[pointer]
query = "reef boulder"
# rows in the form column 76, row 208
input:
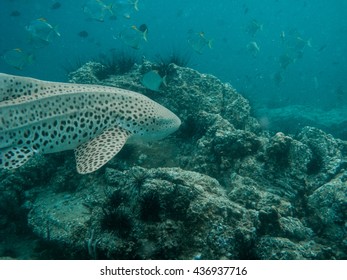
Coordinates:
column 218, row 188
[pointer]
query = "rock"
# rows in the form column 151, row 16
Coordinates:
column 278, row 248
column 185, row 87
column 291, row 119
column 239, row 192
column 160, row 214
column 326, row 155
column 328, row 207
column 293, row 229
column 87, row 74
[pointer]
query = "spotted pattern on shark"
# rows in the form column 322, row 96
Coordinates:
column 96, row 121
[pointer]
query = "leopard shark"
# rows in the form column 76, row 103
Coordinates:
column 95, row 121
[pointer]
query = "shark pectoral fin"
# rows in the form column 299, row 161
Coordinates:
column 93, row 154
column 14, row 157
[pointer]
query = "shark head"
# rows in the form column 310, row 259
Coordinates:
column 161, row 123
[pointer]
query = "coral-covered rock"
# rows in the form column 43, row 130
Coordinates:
column 278, row 248
column 148, row 214
column 218, row 188
column 328, row 205
column 326, row 154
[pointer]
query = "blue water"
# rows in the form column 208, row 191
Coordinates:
column 317, row 78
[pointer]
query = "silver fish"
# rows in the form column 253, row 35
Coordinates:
column 42, row 32
column 152, row 80
column 198, row 41
column 124, row 8
column 253, row 48
column 17, row 58
column 134, row 37
column 96, row 121
column 97, row 10
column 253, row 27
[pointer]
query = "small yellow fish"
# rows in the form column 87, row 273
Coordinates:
column 136, row 5
column 124, row 8
column 42, row 32
column 285, row 60
column 283, row 36
column 127, row 16
column 253, row 27
column 17, row 58
column 296, row 43
column 133, row 36
column 198, row 41
column 253, row 48
column 301, row 43
column 97, row 10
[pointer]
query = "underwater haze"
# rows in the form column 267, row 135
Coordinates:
column 274, row 52
column 173, row 129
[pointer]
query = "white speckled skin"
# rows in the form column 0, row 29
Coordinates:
column 47, row 117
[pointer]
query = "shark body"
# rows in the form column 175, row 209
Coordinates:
column 95, row 121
